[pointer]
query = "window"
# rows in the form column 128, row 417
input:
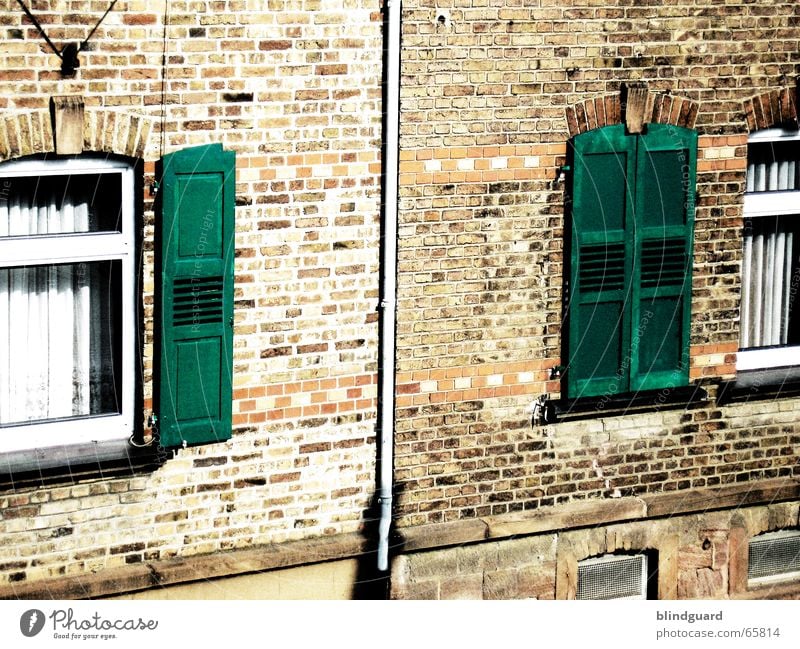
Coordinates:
column 774, row 556
column 628, row 288
column 68, row 311
column 770, row 330
column 66, row 302
column 614, row 576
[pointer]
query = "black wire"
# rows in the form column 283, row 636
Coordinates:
column 59, row 52
column 39, row 27
column 164, row 71
column 99, row 22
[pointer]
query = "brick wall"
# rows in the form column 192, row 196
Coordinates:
column 294, row 89
column 491, row 461
column 490, row 97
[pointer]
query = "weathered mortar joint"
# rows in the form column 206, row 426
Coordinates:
column 635, row 106
column 669, row 109
column 156, row 577
column 770, row 109
column 77, row 130
column 113, row 132
column 182, row 570
column 593, row 113
column 25, row 133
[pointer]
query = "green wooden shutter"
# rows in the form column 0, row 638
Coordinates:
column 194, row 310
column 629, row 292
column 666, row 166
column 601, row 261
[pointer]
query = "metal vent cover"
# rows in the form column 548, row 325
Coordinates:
column 613, row 576
column 774, row 554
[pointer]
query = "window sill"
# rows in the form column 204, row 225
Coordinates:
column 766, row 358
column 625, row 404
column 759, row 385
column 43, row 466
column 784, row 579
column 783, row 590
column 766, row 588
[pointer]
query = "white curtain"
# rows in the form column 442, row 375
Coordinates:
column 46, row 350
column 769, row 250
column 766, row 172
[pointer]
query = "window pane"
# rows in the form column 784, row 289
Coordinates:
column 59, row 341
column 60, row 204
column 770, row 281
column 772, row 166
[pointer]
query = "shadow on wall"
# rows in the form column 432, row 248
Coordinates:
column 371, row 583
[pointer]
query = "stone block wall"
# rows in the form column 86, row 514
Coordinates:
column 697, row 556
column 514, row 569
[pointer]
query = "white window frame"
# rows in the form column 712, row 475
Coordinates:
column 76, row 248
column 762, row 204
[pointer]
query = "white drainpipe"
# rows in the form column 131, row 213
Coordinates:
column 391, row 145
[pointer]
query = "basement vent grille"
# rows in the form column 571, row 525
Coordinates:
column 613, row 577
column 775, row 554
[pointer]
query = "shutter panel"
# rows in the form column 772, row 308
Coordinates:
column 666, row 165
column 194, row 309
column 601, row 259
column 629, row 292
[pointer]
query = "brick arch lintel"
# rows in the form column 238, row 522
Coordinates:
column 770, row 109
column 106, row 131
column 605, row 110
